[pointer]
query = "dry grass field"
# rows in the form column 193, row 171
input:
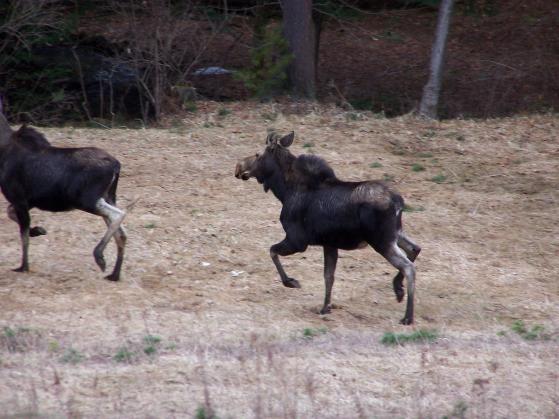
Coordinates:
column 200, row 321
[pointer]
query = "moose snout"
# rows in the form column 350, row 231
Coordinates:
column 240, row 172
column 243, row 167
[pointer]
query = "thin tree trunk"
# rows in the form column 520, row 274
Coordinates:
column 431, row 91
column 301, row 34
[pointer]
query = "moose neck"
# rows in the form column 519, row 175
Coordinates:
column 278, row 181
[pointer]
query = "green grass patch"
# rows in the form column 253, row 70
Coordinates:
column 429, row 134
column 417, row 167
column 375, row 165
column 419, row 336
column 124, row 355
column 440, row 178
column 151, row 344
column 189, row 106
column 150, row 350
column 425, row 155
column 149, row 225
column 536, row 332
column 71, row 356
column 19, row 339
column 308, row 145
column 353, row 116
column 409, row 208
column 310, row 332
column 223, row 112
column 458, row 412
column 54, row 346
column 152, row 340
column 388, row 178
column 205, row 413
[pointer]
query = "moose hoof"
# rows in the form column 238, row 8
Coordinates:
column 112, row 277
column 292, row 283
column 37, row 231
column 21, row 269
column 326, row 309
column 406, row 321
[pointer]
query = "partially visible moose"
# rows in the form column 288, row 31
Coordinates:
column 319, row 209
column 35, row 174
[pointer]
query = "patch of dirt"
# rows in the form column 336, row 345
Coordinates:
column 198, row 275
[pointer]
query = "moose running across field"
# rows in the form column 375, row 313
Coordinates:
column 319, row 209
column 35, row 174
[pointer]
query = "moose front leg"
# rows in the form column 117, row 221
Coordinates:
column 34, row 231
column 330, row 260
column 23, row 219
column 284, row 248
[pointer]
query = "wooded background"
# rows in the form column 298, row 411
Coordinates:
column 111, row 61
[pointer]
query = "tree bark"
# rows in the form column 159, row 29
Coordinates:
column 301, row 33
column 430, row 99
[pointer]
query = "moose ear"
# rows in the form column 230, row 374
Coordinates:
column 287, row 140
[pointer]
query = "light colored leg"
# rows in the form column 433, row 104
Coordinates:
column 399, row 260
column 120, row 240
column 113, row 216
column 412, row 250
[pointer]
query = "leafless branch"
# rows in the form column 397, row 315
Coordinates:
column 27, row 21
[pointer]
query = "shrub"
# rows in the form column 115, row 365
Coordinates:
column 267, row 74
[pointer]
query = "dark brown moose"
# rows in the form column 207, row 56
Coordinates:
column 34, row 174
column 319, row 209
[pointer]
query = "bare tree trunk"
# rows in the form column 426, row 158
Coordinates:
column 430, row 98
column 301, row 34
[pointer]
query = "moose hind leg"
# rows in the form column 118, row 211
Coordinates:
column 284, row 248
column 113, row 217
column 330, row 260
column 120, row 239
column 398, row 259
column 412, row 251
